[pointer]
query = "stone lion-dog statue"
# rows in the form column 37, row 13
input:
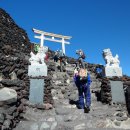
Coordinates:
column 109, row 59
column 39, row 57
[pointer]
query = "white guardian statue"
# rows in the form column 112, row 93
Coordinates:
column 109, row 59
column 39, row 57
column 112, row 64
column 38, row 66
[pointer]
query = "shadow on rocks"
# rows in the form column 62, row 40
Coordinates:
column 72, row 102
column 97, row 94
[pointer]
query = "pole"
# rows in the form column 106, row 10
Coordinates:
column 42, row 40
column 63, row 45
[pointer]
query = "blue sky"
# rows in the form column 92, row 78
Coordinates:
column 93, row 24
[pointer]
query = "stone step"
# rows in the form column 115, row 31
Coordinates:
column 33, row 114
column 32, row 125
column 81, row 125
column 101, row 129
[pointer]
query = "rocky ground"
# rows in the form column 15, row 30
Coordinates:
column 59, row 110
column 66, row 116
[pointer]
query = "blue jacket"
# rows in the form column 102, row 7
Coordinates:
column 82, row 81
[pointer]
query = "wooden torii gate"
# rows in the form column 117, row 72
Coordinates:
column 51, row 37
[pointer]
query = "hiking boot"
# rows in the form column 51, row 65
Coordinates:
column 86, row 109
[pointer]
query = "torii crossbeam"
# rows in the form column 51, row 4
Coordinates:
column 51, row 37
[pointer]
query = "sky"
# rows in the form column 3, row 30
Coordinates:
column 93, row 24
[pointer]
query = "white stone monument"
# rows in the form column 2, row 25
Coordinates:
column 112, row 64
column 36, row 71
column 38, row 66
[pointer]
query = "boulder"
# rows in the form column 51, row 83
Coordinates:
column 7, row 96
column 15, row 82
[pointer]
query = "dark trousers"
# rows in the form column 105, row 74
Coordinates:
column 62, row 63
column 55, row 58
column 81, row 62
column 84, row 93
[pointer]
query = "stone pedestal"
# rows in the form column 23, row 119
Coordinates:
column 111, row 71
column 36, row 91
column 117, row 91
column 36, row 70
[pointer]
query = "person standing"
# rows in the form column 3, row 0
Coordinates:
column 62, row 59
column 83, row 81
column 56, row 58
column 81, row 58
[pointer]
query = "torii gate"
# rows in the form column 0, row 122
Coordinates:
column 51, row 37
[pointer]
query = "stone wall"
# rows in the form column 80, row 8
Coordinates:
column 127, row 94
column 12, row 35
column 105, row 93
column 14, row 60
column 106, row 96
